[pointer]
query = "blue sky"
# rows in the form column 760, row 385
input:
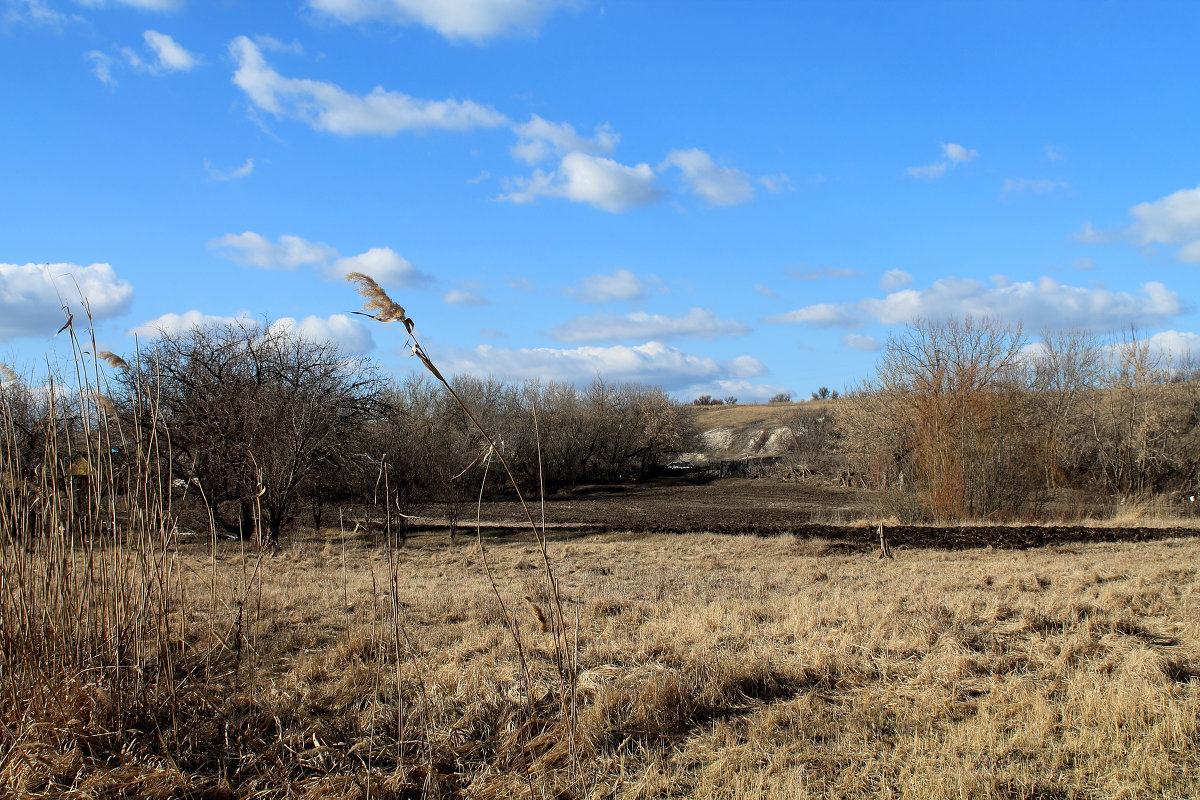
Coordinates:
column 725, row 198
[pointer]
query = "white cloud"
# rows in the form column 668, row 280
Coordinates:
column 745, row 391
column 1030, row 186
column 895, row 279
column 144, row 5
column 820, row 315
column 539, row 140
column 1088, row 234
column 352, row 336
column 270, row 43
column 1175, row 344
column 36, row 12
column 720, row 186
column 102, row 65
column 765, row 291
column 231, row 174
column 327, row 107
column 476, row 20
column 463, row 297
column 776, row 183
column 173, row 324
column 383, row 264
column 1046, row 303
column 1052, row 153
column 32, row 296
column 620, row 285
column 861, row 342
column 929, row 170
column 653, row 363
column 952, row 156
column 697, row 322
column 170, row 55
column 957, row 154
column 1083, row 264
column 582, row 178
column 1174, row 219
column 480, row 178
column 252, row 249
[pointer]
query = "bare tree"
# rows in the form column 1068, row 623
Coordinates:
column 257, row 413
column 1066, row 367
column 947, row 408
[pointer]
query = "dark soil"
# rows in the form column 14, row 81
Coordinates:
column 766, row 506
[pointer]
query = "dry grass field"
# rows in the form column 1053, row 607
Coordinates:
column 712, row 667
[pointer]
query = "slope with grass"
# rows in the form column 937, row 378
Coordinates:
column 744, row 430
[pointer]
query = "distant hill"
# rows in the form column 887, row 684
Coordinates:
column 745, row 430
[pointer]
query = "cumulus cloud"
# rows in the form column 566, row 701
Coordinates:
column 463, row 297
column 383, row 264
column 1046, row 303
column 474, row 20
column 32, row 296
column 538, row 140
column 169, row 55
column 172, row 324
column 620, row 285
column 745, row 391
column 351, row 335
column 860, row 341
column 720, row 186
column 1030, row 186
column 1175, row 345
column 1174, row 219
column 653, row 363
column 697, row 323
column 1041, row 304
column 229, row 174
column 895, row 279
column 581, row 178
column 820, row 315
column 327, row 107
column 952, row 156
column 252, row 249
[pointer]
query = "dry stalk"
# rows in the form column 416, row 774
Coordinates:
column 380, row 307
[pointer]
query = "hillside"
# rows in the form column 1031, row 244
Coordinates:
column 745, row 430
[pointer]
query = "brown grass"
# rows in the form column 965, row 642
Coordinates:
column 730, row 667
column 745, row 414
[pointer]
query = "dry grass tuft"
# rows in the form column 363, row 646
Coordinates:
column 376, row 299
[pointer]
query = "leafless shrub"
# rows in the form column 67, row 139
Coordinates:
column 258, row 416
column 946, row 415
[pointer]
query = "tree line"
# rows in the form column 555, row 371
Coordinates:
column 971, row 419
column 264, row 427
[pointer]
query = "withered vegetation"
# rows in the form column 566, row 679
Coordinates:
column 367, row 657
